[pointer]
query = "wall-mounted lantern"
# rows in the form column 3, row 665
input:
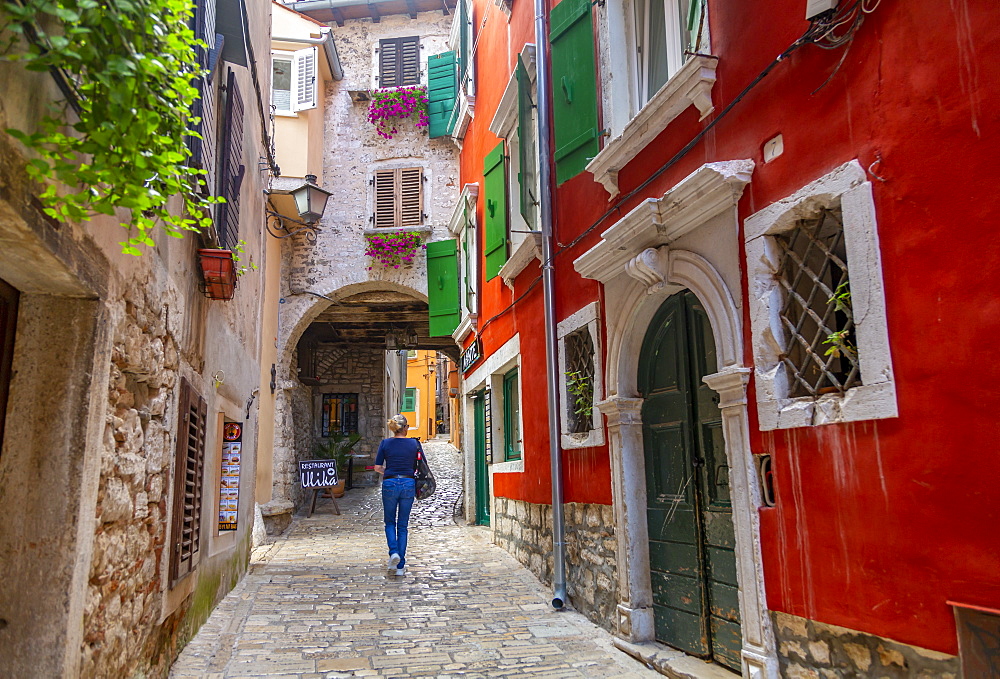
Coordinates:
column 309, row 200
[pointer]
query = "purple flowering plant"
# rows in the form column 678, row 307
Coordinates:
column 389, row 106
column 393, row 250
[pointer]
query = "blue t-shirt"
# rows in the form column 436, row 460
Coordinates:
column 399, row 455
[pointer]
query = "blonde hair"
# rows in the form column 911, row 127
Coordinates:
column 398, row 422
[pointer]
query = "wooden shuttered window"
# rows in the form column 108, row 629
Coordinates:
column 574, row 96
column 495, row 190
column 231, row 166
column 399, row 197
column 442, row 91
column 399, row 62
column 409, row 400
column 189, row 468
column 443, row 301
column 202, row 24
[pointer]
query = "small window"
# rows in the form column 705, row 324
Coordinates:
column 398, row 198
column 281, row 84
column 340, row 414
column 411, row 355
column 189, row 469
column 580, row 381
column 410, row 400
column 512, row 416
column 399, row 62
column 666, row 32
column 821, row 350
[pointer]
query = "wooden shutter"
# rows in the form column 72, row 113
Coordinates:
column 527, row 153
column 231, row 166
column 464, row 58
column 442, row 90
column 443, row 305
column 399, row 62
column 8, row 322
column 411, row 196
column 409, row 400
column 189, row 470
column 495, row 190
column 398, row 197
column 304, row 79
column 574, row 88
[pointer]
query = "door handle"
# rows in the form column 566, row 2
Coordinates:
column 567, row 87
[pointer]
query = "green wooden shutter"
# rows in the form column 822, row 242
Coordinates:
column 574, row 88
column 495, row 189
column 442, row 288
column 441, row 90
column 527, row 153
column 410, row 400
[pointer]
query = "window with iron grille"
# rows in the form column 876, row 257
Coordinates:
column 399, row 62
column 340, row 414
column 399, row 200
column 821, row 350
column 580, row 381
column 188, row 476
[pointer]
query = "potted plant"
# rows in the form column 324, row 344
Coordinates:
column 219, row 271
column 337, row 447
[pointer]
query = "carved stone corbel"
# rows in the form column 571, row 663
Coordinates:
column 651, row 268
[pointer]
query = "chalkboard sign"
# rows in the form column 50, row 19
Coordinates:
column 318, row 473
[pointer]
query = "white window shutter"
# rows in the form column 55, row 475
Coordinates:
column 304, row 79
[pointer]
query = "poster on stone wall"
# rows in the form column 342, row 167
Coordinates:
column 229, row 492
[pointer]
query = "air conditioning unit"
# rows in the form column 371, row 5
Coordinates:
column 816, row 7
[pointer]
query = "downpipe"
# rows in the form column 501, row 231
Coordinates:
column 543, row 78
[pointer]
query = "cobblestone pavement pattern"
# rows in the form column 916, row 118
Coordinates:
column 320, row 603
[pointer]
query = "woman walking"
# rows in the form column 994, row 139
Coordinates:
column 396, row 460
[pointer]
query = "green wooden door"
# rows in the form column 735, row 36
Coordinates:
column 691, row 536
column 482, row 467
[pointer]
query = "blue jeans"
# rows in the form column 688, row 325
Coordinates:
column 397, row 500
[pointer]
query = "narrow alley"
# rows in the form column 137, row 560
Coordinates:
column 318, row 602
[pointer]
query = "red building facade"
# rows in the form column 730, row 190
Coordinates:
column 772, row 271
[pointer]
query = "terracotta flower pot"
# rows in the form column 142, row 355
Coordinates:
column 219, row 271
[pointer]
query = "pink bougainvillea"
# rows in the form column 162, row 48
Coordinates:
column 393, row 250
column 390, row 106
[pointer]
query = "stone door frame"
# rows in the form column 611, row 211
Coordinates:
column 640, row 269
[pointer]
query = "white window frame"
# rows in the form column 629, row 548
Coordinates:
column 632, row 121
column 589, row 318
column 525, row 243
column 297, row 59
column 457, row 226
column 875, row 398
column 454, row 44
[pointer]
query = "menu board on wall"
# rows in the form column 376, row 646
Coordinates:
column 229, row 493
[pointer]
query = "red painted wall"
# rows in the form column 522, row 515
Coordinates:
column 877, row 523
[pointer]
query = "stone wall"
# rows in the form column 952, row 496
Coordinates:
column 525, row 530
column 124, row 596
column 807, row 648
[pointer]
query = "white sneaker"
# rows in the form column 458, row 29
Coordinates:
column 401, row 571
column 394, row 561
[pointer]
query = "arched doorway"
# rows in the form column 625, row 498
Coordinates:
column 692, row 539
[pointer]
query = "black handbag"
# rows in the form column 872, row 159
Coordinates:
column 425, row 483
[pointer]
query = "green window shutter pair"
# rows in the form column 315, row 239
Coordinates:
column 410, row 400
column 574, row 88
column 495, row 190
column 444, row 309
column 442, row 90
column 527, row 151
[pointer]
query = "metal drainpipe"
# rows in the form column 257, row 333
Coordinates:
column 548, row 294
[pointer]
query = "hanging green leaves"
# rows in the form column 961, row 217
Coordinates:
column 132, row 65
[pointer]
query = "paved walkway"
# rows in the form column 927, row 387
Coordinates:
column 320, row 603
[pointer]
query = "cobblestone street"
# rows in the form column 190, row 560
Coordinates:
column 320, row 603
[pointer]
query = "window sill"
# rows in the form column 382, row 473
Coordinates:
column 690, row 86
column 422, row 230
column 466, row 112
column 866, row 402
column 509, row 467
column 286, row 114
column 594, row 437
column 528, row 249
column 465, row 327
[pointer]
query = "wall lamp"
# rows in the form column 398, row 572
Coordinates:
column 309, row 201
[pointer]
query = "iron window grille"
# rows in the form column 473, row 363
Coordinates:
column 340, row 414
column 580, row 381
column 821, row 350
